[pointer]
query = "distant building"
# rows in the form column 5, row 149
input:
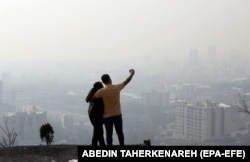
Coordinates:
column 194, row 56
column 68, row 121
column 211, row 51
column 202, row 121
column 155, row 98
column 27, row 124
column 1, row 91
column 188, row 88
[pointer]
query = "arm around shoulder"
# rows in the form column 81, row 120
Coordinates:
column 89, row 95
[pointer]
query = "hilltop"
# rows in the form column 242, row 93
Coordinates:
column 43, row 153
column 40, row 153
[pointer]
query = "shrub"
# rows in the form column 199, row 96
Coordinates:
column 11, row 136
column 47, row 133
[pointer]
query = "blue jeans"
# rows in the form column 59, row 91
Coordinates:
column 109, row 123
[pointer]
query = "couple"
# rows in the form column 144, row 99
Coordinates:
column 105, row 107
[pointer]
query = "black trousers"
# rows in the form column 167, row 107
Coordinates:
column 115, row 121
column 97, row 136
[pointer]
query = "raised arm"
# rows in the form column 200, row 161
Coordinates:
column 129, row 78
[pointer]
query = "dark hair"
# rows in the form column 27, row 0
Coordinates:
column 97, row 85
column 105, row 78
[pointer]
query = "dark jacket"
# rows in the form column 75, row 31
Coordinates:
column 96, row 108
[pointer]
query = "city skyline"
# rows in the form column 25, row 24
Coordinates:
column 125, row 31
column 53, row 51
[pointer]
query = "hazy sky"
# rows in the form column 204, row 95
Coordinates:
column 120, row 30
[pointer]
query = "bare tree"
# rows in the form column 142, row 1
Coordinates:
column 11, row 136
column 243, row 105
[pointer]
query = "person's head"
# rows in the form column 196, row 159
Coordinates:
column 106, row 79
column 98, row 85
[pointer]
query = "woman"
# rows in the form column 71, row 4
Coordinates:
column 95, row 111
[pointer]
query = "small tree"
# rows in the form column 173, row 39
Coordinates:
column 11, row 136
column 47, row 133
column 243, row 106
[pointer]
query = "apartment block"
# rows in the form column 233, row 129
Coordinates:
column 202, row 121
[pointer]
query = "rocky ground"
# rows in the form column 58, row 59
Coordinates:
column 42, row 153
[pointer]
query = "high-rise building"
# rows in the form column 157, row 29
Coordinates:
column 68, row 121
column 155, row 98
column 202, row 121
column 27, row 124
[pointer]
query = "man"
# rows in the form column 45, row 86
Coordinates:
column 112, row 106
